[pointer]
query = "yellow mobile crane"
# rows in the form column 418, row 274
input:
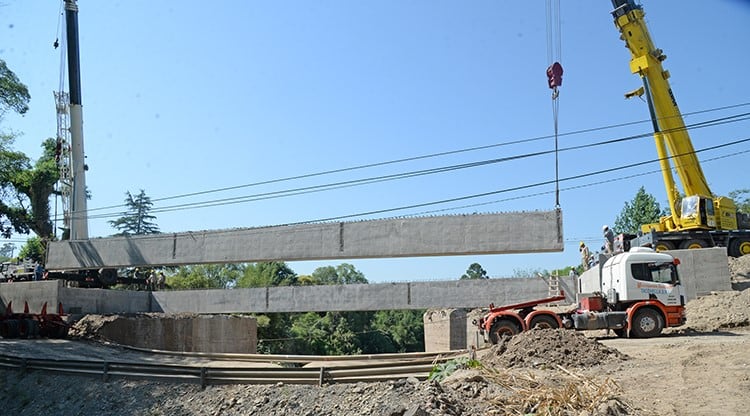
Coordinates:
column 698, row 219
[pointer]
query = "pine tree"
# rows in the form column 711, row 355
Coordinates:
column 136, row 220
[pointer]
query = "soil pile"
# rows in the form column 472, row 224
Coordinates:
column 89, row 326
column 718, row 310
column 739, row 268
column 545, row 348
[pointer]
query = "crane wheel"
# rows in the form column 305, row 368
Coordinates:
column 647, row 323
column 501, row 328
column 663, row 246
column 739, row 247
column 693, row 244
column 544, row 322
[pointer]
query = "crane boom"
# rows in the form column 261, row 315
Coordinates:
column 698, row 218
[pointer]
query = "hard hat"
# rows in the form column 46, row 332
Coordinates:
column 604, row 227
column 581, row 245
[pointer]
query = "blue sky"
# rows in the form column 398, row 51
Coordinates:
column 183, row 97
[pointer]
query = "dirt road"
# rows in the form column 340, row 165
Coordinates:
column 686, row 374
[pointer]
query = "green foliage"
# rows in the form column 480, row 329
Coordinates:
column 136, row 219
column 741, row 199
column 25, row 189
column 329, row 333
column 267, row 274
column 403, row 331
column 343, row 274
column 441, row 371
column 6, row 251
column 207, row 276
column 33, row 249
column 475, row 271
column 14, row 95
column 643, row 209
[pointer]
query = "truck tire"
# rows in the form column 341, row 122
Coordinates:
column 503, row 327
column 693, row 244
column 544, row 322
column 108, row 277
column 738, row 247
column 647, row 323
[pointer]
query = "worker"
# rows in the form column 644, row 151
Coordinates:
column 585, row 254
column 38, row 271
column 609, row 240
column 160, row 281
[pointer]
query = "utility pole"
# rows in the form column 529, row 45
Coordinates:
column 78, row 214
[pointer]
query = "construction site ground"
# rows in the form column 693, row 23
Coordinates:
column 702, row 368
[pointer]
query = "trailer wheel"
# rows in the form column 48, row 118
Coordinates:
column 646, row 323
column 503, row 327
column 664, row 246
column 738, row 247
column 9, row 328
column 544, row 322
column 693, row 244
column 108, row 277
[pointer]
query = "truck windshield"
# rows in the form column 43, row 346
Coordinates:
column 655, row 272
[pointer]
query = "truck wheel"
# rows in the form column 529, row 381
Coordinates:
column 738, row 247
column 108, row 277
column 646, row 323
column 693, row 244
column 663, row 246
column 503, row 327
column 544, row 322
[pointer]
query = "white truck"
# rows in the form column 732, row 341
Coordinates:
column 635, row 294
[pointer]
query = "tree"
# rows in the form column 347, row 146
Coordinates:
column 33, row 250
column 643, row 209
column 266, row 274
column 136, row 220
column 741, row 199
column 14, row 95
column 475, row 271
column 206, row 276
column 7, row 250
column 343, row 274
column 26, row 190
column 404, row 330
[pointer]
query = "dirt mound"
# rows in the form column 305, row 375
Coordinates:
column 739, row 267
column 89, row 326
column 718, row 310
column 542, row 348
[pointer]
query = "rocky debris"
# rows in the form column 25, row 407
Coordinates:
column 545, row 348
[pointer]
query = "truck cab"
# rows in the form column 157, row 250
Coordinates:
column 641, row 274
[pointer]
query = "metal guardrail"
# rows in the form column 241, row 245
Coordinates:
column 207, row 376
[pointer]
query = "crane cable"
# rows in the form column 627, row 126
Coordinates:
column 554, row 77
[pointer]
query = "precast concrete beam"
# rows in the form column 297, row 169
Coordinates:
column 500, row 233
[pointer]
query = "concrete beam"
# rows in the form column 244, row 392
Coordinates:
column 359, row 297
column 516, row 232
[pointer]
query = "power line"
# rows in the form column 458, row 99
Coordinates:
column 415, row 158
column 411, row 174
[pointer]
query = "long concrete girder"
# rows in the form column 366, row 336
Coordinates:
column 514, row 232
